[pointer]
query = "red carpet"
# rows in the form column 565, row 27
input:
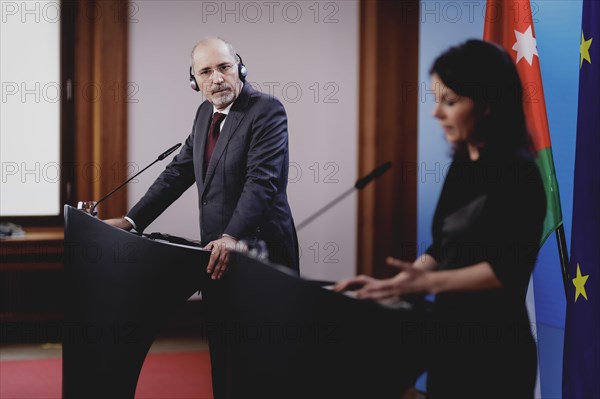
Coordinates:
column 164, row 375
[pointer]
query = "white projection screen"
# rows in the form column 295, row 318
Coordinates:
column 30, row 108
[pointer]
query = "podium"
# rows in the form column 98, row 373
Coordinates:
column 273, row 334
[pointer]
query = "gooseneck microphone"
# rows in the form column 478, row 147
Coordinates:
column 160, row 158
column 359, row 185
column 378, row 171
column 163, row 155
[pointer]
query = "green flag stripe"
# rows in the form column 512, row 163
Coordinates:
column 553, row 219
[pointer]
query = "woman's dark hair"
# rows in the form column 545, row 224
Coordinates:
column 485, row 73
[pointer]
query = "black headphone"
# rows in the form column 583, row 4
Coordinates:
column 242, row 73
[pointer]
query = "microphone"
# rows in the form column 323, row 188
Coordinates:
column 165, row 154
column 359, row 185
column 363, row 181
column 160, row 158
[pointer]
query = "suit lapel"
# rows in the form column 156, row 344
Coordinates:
column 235, row 116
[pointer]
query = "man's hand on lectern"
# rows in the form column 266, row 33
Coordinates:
column 219, row 257
column 121, row 223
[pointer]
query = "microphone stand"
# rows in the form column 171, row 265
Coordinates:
column 359, row 185
column 160, row 158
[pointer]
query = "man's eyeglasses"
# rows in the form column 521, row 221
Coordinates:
column 223, row 69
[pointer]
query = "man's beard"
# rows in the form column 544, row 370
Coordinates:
column 224, row 97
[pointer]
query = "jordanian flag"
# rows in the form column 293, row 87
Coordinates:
column 509, row 23
column 581, row 365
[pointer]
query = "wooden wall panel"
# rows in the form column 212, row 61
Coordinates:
column 389, row 42
column 100, row 137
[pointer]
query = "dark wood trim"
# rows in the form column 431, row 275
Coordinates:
column 111, row 65
column 389, row 45
column 54, row 220
column 68, row 9
column 100, row 138
column 83, row 81
column 367, row 127
column 31, row 276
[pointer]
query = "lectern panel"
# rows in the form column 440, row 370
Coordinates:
column 121, row 289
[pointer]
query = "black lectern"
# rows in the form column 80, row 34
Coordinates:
column 272, row 334
column 122, row 288
column 290, row 338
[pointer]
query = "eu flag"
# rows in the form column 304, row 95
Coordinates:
column 581, row 366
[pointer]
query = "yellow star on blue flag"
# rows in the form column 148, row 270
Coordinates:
column 579, row 283
column 584, row 50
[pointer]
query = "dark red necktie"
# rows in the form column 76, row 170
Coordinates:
column 211, row 139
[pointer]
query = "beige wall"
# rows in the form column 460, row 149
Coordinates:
column 303, row 52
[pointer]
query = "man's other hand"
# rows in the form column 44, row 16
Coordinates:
column 219, row 257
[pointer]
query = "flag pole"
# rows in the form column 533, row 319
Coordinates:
column 564, row 255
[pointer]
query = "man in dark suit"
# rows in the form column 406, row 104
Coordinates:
column 241, row 173
column 237, row 154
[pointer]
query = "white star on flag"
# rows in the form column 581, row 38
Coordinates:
column 525, row 46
